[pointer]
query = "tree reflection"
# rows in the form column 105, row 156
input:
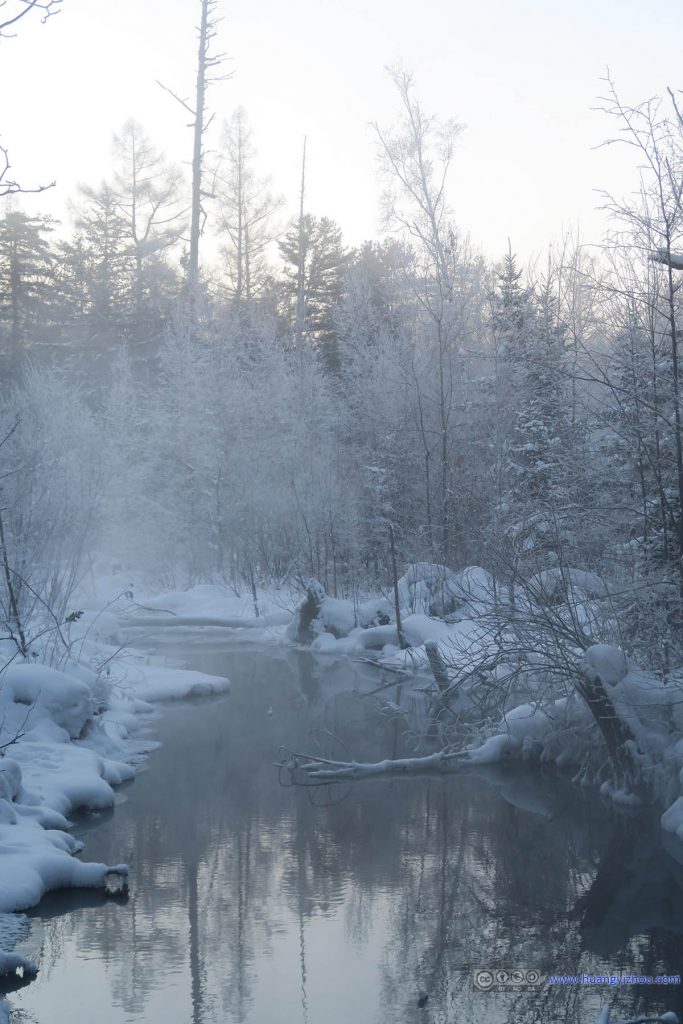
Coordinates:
column 429, row 877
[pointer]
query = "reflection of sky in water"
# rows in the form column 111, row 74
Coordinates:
column 250, row 904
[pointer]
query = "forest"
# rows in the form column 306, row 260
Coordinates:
column 268, row 414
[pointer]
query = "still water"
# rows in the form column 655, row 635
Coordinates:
column 254, row 903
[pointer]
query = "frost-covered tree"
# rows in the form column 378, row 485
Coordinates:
column 149, row 202
column 247, row 214
column 109, row 261
column 315, row 260
column 415, row 158
column 644, row 381
column 26, row 276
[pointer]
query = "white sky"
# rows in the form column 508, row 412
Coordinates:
column 521, row 74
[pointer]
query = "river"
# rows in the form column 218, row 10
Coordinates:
column 252, row 902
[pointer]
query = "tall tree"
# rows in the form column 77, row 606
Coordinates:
column 315, row 263
column 26, row 272
column 148, row 195
column 650, row 235
column 207, row 62
column 109, row 262
column 247, row 210
column 415, row 157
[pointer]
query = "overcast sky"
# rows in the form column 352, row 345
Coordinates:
column 522, row 75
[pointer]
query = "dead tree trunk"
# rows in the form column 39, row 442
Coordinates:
column 397, row 603
column 616, row 734
column 206, row 61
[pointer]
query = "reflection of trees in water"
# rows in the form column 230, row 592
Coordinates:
column 500, row 871
column 502, row 860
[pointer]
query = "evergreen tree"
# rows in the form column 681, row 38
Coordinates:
column 26, row 276
column 314, row 251
column 532, row 415
column 108, row 260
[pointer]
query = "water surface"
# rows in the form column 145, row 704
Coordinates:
column 254, row 903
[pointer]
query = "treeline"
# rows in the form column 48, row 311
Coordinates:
column 274, row 421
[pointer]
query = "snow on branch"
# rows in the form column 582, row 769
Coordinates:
column 669, row 259
column 310, row 770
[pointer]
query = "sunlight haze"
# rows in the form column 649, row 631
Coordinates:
column 522, row 77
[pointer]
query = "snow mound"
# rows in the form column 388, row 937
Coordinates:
column 555, row 582
column 36, row 861
column 30, row 694
column 157, row 682
column 439, row 591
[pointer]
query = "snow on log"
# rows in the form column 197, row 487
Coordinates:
column 319, row 770
column 671, row 259
column 197, row 621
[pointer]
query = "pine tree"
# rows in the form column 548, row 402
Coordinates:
column 26, row 273
column 532, row 415
column 109, row 259
column 314, row 251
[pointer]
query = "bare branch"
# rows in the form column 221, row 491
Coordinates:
column 48, row 7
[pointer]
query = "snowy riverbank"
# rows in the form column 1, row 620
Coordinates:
column 69, row 733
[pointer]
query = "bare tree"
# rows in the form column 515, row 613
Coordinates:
column 148, row 199
column 416, row 158
column 653, row 226
column 207, row 61
column 247, row 208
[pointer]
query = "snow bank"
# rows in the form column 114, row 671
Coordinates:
column 439, row 591
column 36, row 861
column 555, row 582
column 159, row 682
column 565, row 731
column 43, row 712
column 68, row 738
column 33, row 693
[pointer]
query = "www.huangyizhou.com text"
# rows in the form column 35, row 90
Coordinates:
column 614, row 980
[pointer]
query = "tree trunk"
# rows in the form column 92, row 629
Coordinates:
column 195, row 223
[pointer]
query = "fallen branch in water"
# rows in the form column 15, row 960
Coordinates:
column 308, row 769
